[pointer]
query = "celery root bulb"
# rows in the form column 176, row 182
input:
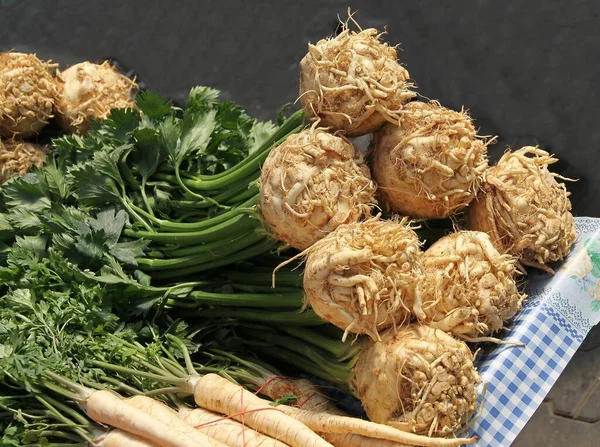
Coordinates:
column 429, row 165
column 312, row 183
column 89, row 91
column 16, row 158
column 418, row 379
column 353, row 82
column 469, row 287
column 362, row 276
column 27, row 94
column 524, row 209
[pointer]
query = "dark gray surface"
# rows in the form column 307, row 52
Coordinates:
column 527, row 71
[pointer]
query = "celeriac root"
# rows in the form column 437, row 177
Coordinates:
column 523, row 208
column 362, row 277
column 89, row 91
column 226, row 430
column 353, row 82
column 312, row 183
column 16, row 158
column 220, row 395
column 419, row 379
column 469, row 288
column 27, row 94
column 431, row 163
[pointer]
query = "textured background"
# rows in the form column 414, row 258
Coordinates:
column 526, row 70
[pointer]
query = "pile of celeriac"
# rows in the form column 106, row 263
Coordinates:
column 184, row 215
column 33, row 92
column 371, row 277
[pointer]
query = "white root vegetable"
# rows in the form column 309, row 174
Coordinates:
column 120, row 438
column 469, row 287
column 353, row 82
column 27, row 94
column 89, row 91
column 330, row 423
column 171, row 419
column 108, row 408
column 417, row 379
column 523, row 208
column 220, row 395
column 310, row 398
column 362, row 277
column 16, row 158
column 429, row 164
column 228, row 431
column 312, row 183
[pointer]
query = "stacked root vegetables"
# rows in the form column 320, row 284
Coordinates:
column 33, row 92
column 370, row 276
column 417, row 309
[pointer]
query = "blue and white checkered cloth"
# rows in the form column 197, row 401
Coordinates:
column 552, row 325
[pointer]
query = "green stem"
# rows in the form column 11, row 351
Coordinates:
column 233, row 226
column 339, row 349
column 231, row 192
column 254, row 250
column 264, row 277
column 133, row 372
column 195, row 250
column 166, row 390
column 80, row 392
column 308, row 318
column 253, row 162
column 251, row 192
column 202, row 254
column 60, row 417
column 134, row 214
column 121, row 386
column 246, row 208
column 275, row 300
column 54, row 405
column 184, row 350
column 263, row 289
column 188, row 191
column 145, row 197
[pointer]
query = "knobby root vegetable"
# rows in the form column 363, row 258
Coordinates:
column 353, row 82
column 27, row 94
column 228, row 431
column 217, row 394
column 312, row 183
column 170, row 418
column 525, row 210
column 431, row 163
column 417, row 379
column 330, row 423
column 309, row 397
column 108, row 408
column 16, row 158
column 469, row 287
column 89, row 91
column 362, row 277
column 120, row 438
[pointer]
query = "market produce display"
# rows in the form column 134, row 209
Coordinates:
column 187, row 276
